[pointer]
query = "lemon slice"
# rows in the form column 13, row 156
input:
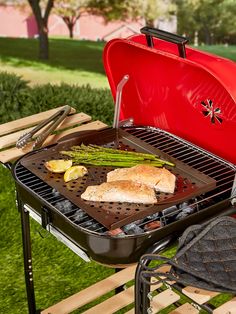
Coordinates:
column 58, row 166
column 74, row 173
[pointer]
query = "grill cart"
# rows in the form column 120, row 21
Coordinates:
column 172, row 101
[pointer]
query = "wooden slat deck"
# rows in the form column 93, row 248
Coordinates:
column 162, row 299
column 163, row 296
column 11, row 131
column 29, row 121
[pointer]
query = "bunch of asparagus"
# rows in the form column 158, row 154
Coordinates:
column 102, row 156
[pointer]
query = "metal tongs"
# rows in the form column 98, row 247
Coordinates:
column 52, row 123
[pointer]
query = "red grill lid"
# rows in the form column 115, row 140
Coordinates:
column 192, row 97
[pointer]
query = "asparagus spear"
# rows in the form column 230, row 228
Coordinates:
column 98, row 155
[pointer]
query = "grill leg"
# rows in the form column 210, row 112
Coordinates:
column 25, row 226
column 120, row 288
column 142, row 301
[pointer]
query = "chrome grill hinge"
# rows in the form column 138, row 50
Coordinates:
column 233, row 192
column 126, row 122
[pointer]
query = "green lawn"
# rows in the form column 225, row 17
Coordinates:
column 71, row 61
column 58, row 272
column 223, row 51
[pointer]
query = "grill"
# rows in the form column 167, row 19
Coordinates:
column 127, row 243
column 189, row 182
column 182, row 105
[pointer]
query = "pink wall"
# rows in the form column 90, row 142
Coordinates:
column 16, row 23
column 94, row 27
column 12, row 22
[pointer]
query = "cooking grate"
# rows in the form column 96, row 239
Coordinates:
column 219, row 170
column 112, row 214
column 212, row 166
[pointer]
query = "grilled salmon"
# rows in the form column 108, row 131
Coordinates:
column 159, row 179
column 120, row 191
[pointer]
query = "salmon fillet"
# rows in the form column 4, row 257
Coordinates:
column 120, row 191
column 159, row 179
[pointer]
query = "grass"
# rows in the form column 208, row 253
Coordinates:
column 58, row 272
column 71, row 61
column 223, row 51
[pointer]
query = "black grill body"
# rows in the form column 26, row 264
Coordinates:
column 127, row 249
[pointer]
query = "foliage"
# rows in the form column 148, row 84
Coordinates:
column 18, row 99
column 150, row 10
column 154, row 9
column 13, row 95
column 96, row 102
column 113, row 9
column 70, row 11
column 214, row 20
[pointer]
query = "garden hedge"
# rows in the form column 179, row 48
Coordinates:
column 18, row 99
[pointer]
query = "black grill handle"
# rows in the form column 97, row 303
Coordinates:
column 151, row 32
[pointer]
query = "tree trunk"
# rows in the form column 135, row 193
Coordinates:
column 150, row 22
column 43, row 43
column 207, row 35
column 42, row 22
column 71, row 30
column 70, row 23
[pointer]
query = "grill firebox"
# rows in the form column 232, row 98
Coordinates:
column 129, row 242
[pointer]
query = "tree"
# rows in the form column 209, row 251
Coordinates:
column 227, row 31
column 150, row 10
column 41, row 10
column 114, row 9
column 70, row 11
column 212, row 19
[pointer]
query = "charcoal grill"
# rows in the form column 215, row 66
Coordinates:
column 182, row 108
column 95, row 239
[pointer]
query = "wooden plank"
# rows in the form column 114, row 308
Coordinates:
column 10, row 139
column 117, row 302
column 227, row 308
column 22, row 123
column 91, row 293
column 14, row 153
column 198, row 295
column 185, row 309
column 95, row 125
column 165, row 269
column 161, row 300
column 164, row 299
column 114, row 303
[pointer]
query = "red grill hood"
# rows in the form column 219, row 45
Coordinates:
column 192, row 97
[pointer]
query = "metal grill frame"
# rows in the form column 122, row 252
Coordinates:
column 25, row 211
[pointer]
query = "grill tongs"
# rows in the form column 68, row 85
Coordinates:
column 52, row 123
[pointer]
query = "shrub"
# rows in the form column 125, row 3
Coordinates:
column 18, row 99
column 96, row 102
column 13, row 95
